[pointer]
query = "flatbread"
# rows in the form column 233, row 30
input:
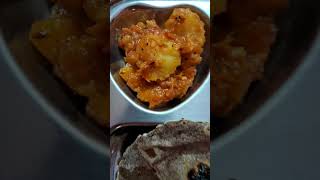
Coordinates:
column 175, row 151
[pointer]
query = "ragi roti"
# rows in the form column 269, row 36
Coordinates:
column 174, row 150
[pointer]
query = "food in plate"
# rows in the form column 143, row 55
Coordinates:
column 74, row 40
column 243, row 36
column 170, row 151
column 161, row 61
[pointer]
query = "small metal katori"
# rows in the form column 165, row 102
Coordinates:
column 124, row 131
column 126, row 13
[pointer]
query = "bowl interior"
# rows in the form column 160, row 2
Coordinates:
column 16, row 18
column 137, row 13
column 298, row 27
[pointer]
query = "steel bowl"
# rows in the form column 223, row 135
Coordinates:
column 121, row 15
column 30, row 69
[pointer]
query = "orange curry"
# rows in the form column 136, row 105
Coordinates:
column 161, row 62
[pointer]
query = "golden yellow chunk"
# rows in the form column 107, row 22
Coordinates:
column 158, row 57
column 48, row 35
column 166, row 61
column 188, row 25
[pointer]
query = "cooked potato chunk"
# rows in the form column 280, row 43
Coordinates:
column 156, row 56
column 48, row 35
column 189, row 27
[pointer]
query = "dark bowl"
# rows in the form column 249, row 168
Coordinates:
column 36, row 76
column 290, row 54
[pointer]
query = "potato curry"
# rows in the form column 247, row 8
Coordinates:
column 161, row 62
column 243, row 33
column 74, row 40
